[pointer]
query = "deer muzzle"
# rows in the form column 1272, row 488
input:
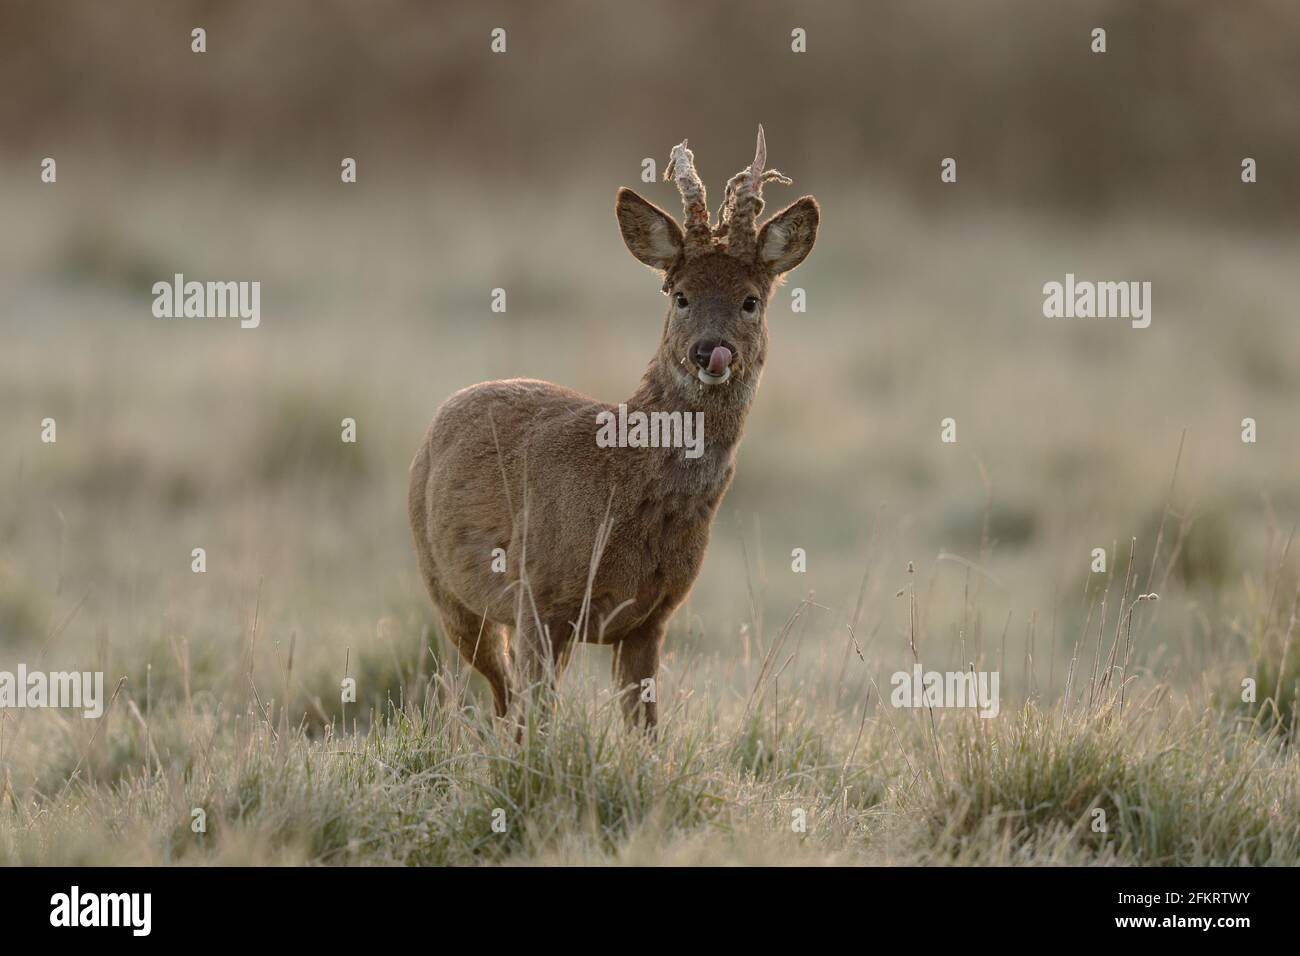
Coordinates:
column 714, row 361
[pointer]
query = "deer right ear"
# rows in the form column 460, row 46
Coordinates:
column 651, row 234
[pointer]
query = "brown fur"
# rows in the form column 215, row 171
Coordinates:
column 514, row 464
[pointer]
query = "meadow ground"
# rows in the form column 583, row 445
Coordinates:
column 174, row 435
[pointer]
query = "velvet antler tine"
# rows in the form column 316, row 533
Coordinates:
column 744, row 202
column 695, row 206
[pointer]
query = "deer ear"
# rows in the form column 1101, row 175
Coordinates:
column 650, row 233
column 786, row 239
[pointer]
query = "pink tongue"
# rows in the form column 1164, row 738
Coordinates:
column 719, row 360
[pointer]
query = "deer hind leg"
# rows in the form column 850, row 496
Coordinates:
column 483, row 646
column 636, row 661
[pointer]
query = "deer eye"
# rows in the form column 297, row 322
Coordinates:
column 680, row 299
column 750, row 304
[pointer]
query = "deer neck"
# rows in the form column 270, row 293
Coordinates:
column 665, row 389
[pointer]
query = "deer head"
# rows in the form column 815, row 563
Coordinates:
column 719, row 276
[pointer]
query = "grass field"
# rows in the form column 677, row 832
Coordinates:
column 1072, row 436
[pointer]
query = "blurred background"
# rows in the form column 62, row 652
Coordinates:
column 479, row 171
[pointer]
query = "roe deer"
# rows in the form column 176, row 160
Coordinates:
column 610, row 535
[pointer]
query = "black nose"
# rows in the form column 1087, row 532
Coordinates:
column 704, row 348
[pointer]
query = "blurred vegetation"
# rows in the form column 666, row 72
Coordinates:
column 1009, row 87
column 480, row 171
column 299, row 442
column 23, row 611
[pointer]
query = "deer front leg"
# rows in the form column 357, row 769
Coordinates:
column 636, row 674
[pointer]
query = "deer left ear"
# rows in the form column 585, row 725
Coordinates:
column 786, row 239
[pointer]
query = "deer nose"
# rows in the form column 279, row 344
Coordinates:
column 714, row 355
